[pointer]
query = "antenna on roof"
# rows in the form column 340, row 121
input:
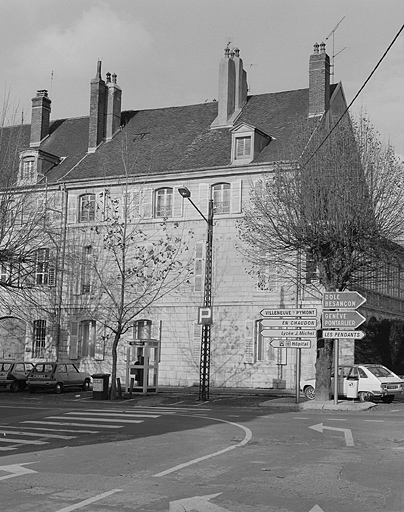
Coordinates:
column 51, row 84
column 332, row 33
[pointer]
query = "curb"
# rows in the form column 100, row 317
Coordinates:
column 313, row 405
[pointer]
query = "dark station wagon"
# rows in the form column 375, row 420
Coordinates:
column 13, row 374
column 57, row 377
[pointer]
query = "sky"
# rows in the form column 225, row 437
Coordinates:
column 167, row 52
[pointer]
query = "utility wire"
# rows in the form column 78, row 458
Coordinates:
column 356, row 95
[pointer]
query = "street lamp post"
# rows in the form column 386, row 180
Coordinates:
column 204, row 371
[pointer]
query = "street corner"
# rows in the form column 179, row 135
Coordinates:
column 344, row 405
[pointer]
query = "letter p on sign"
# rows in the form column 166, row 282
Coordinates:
column 205, row 315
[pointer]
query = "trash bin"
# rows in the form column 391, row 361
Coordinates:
column 100, row 386
column 352, row 386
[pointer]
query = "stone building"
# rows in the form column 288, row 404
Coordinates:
column 216, row 149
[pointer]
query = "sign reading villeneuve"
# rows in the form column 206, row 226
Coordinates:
column 342, row 300
column 301, row 312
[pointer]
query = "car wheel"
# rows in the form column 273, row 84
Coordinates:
column 365, row 396
column 309, row 392
column 86, row 385
column 387, row 399
column 58, row 388
column 14, row 386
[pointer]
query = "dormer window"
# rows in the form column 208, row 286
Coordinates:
column 247, row 143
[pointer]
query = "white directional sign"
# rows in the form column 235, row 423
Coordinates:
column 342, row 300
column 357, row 335
column 342, row 319
column 290, row 343
column 301, row 312
column 289, row 322
column 289, row 333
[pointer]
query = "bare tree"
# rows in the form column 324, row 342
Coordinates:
column 26, row 221
column 337, row 206
column 133, row 266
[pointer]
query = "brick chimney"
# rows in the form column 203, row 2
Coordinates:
column 113, row 107
column 241, row 82
column 40, row 120
column 227, row 90
column 98, row 91
column 319, row 81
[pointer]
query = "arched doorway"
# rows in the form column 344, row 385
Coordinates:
column 12, row 338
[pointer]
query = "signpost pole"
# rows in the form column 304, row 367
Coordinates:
column 336, row 376
column 298, row 350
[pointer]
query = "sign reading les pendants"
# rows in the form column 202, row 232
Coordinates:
column 342, row 300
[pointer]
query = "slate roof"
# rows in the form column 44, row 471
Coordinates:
column 174, row 139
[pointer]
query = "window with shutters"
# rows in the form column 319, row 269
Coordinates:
column 44, row 268
column 221, row 198
column 28, row 170
column 243, row 147
column 39, row 338
column 87, row 208
column 163, row 202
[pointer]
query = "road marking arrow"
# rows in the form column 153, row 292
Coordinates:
column 16, row 470
column 347, row 432
column 316, row 508
column 196, row 504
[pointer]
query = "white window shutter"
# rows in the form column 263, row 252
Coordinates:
column 74, row 340
column 249, row 342
column 235, row 199
column 204, row 198
column 197, row 334
column 178, row 203
column 198, row 266
column 146, row 203
column 99, row 348
column 72, row 209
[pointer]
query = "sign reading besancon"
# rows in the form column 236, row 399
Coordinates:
column 342, row 300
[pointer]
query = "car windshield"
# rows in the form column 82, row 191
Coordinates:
column 380, row 371
column 43, row 368
column 4, row 367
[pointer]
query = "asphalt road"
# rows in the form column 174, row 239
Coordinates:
column 182, row 456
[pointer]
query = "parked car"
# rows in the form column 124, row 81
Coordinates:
column 57, row 376
column 375, row 381
column 13, row 374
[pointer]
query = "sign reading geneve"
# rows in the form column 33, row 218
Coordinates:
column 301, row 312
column 342, row 300
column 342, row 319
column 290, row 343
